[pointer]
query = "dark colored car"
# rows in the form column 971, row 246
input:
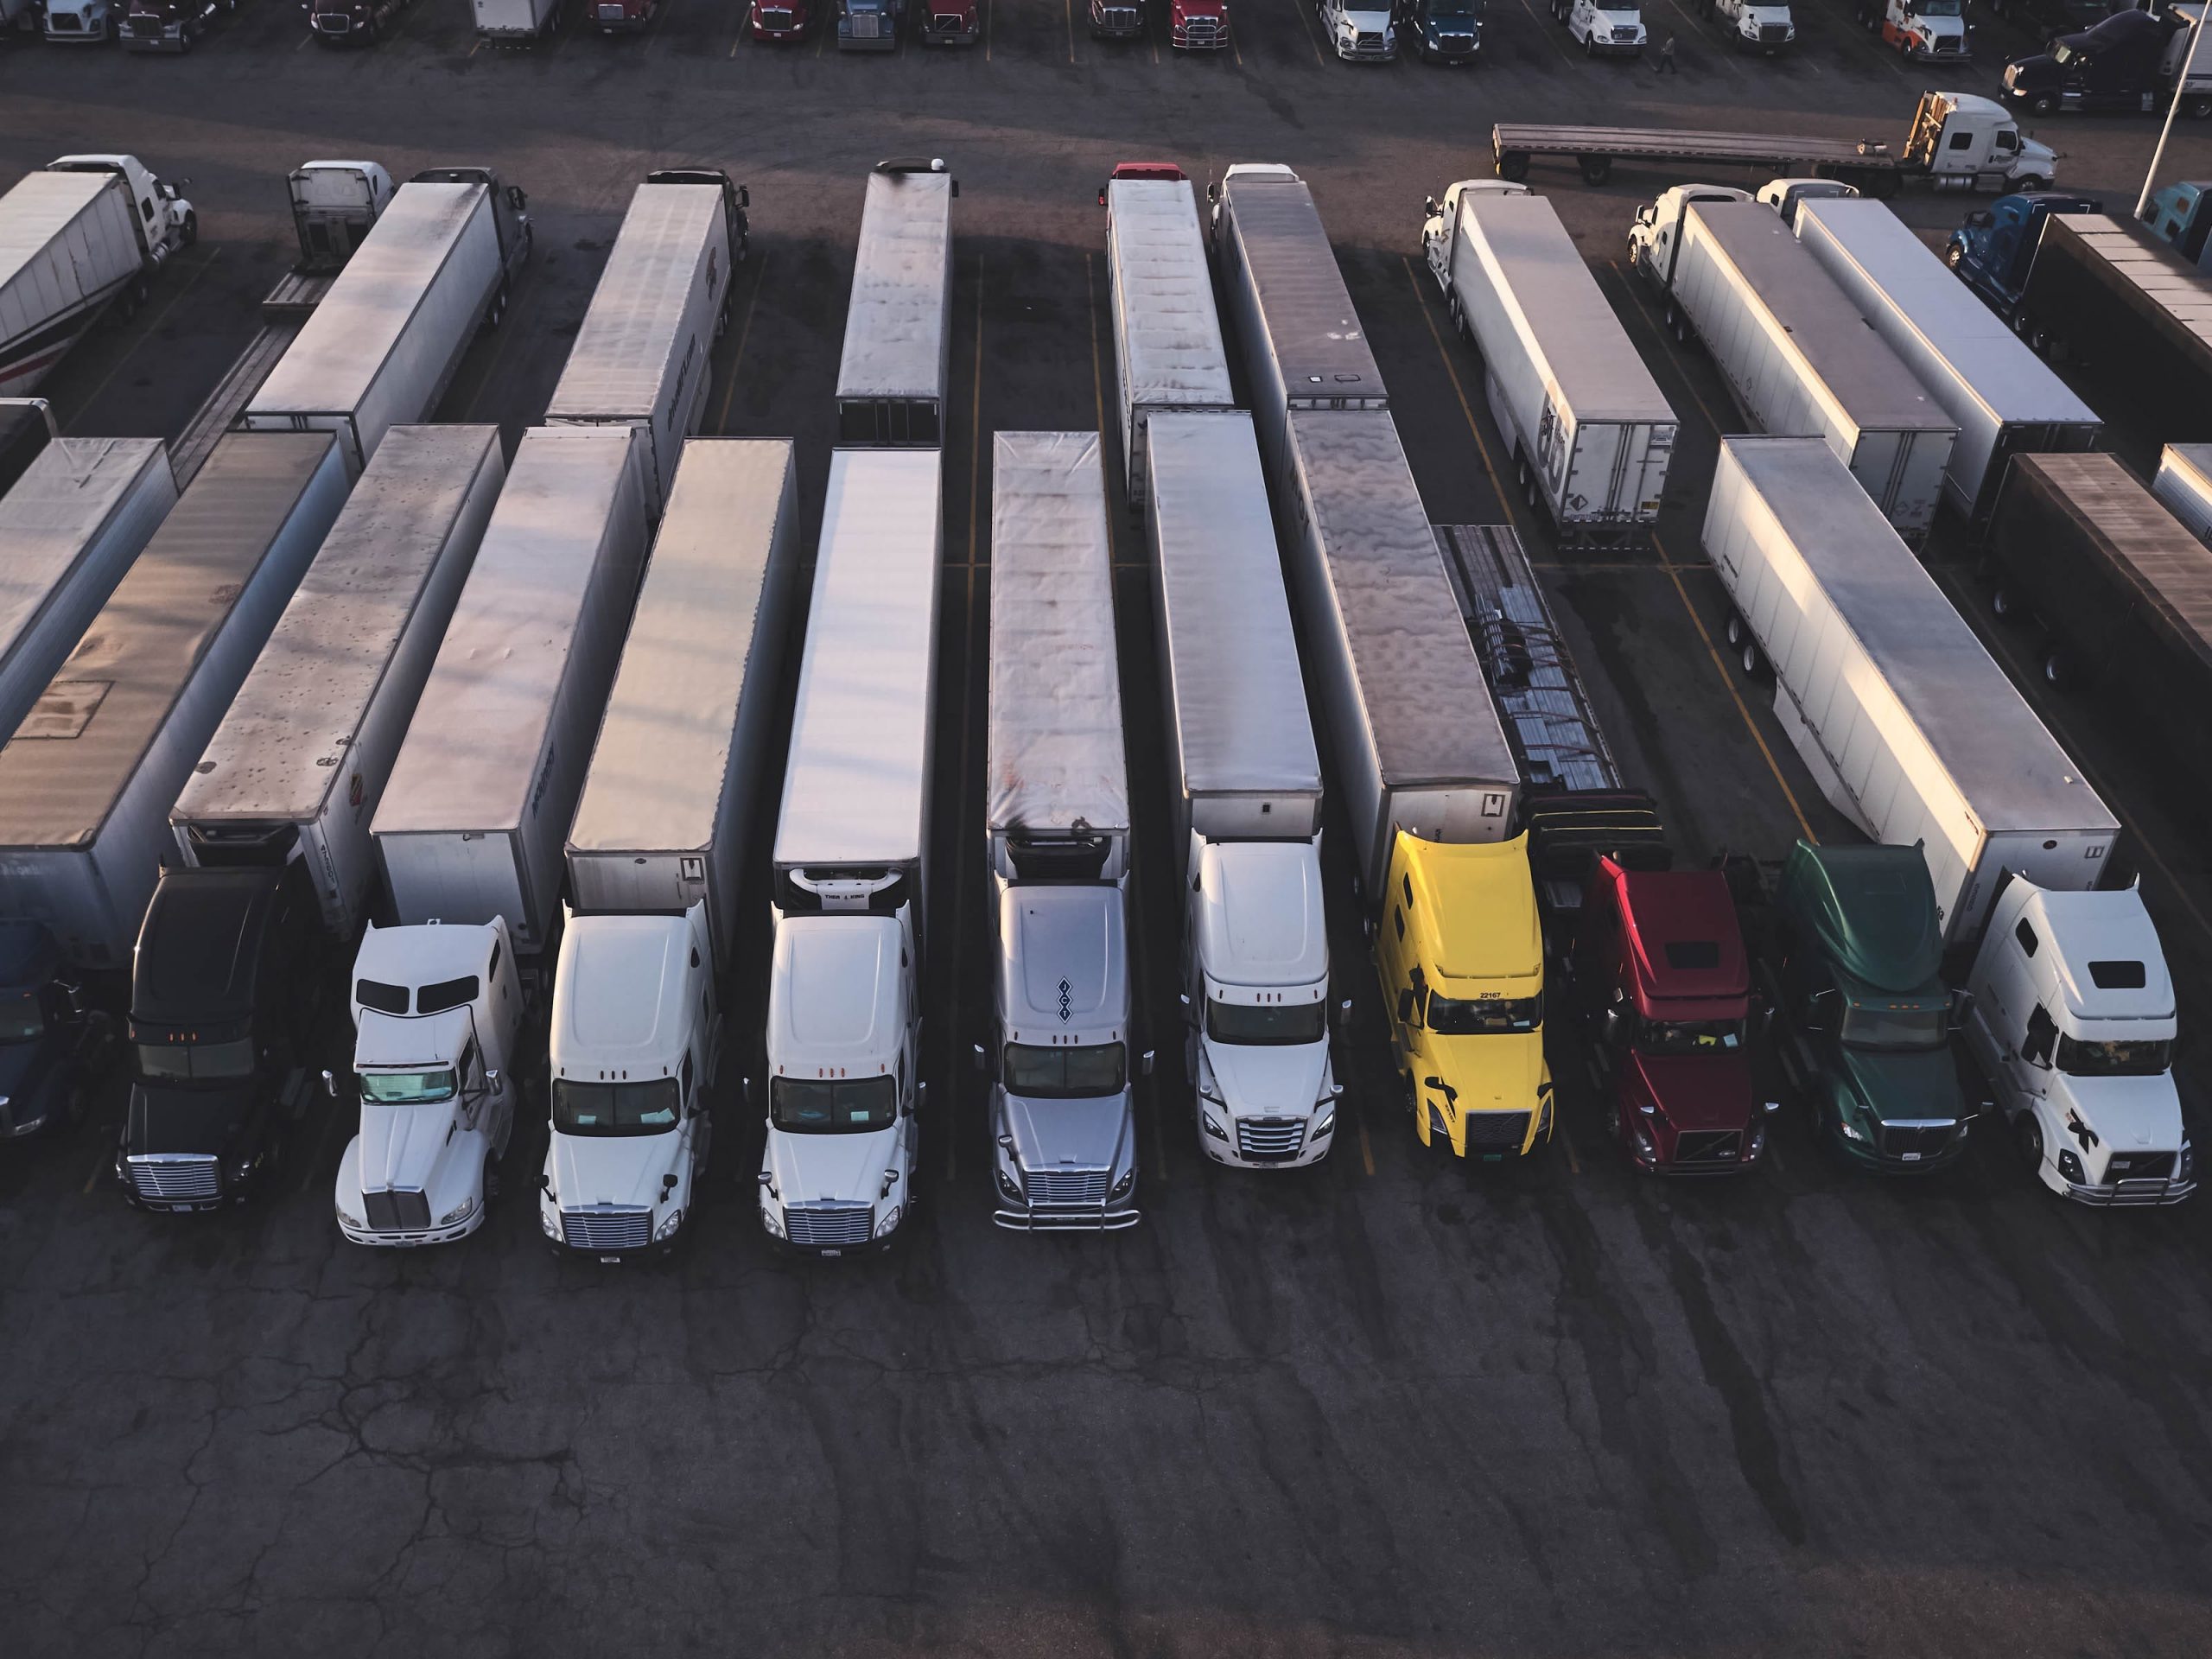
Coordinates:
column 51, row 1050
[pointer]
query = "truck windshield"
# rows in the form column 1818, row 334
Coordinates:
column 613, row 1109
column 195, row 1062
column 1452, row 1016
column 1452, row 10
column 21, row 1019
column 1280, row 1025
column 846, row 1106
column 1937, row 7
column 406, row 1088
column 2136, row 1060
column 1065, row 1073
column 1690, row 1036
column 1903, row 1028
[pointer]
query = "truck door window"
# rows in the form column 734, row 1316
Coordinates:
column 21, row 1019
column 2043, row 1032
column 1398, row 915
column 1961, row 141
column 2026, row 936
column 684, row 1076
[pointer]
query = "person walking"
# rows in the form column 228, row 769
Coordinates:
column 1667, row 57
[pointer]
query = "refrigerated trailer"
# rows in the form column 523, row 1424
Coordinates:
column 643, row 357
column 1589, row 430
column 2183, row 485
column 2003, row 399
column 87, row 781
column 472, row 823
column 384, row 343
column 69, row 528
column 676, row 772
column 1168, row 355
column 1912, row 732
column 896, row 370
column 298, row 766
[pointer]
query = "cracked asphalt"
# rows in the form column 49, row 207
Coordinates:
column 1388, row 1406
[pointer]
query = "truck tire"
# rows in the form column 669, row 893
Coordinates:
column 2043, row 103
column 1513, row 166
column 2027, row 1135
column 1753, row 662
column 2197, row 106
column 1955, row 255
column 1736, row 628
column 1596, row 170
column 2058, row 670
column 2001, row 604
column 190, row 234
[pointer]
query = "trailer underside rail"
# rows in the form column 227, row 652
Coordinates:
column 1596, row 148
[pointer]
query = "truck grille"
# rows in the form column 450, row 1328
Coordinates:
column 1067, row 1187
column 64, row 24
column 1497, row 1131
column 1367, row 46
column 1917, row 1143
column 1270, row 1137
column 822, row 1225
column 1949, row 43
column 2139, row 1166
column 614, row 14
column 1202, row 35
column 1455, row 46
column 398, row 1212
column 1708, row 1147
column 865, row 28
column 1773, row 34
column 164, row 1175
column 774, row 22
column 1118, row 17
column 608, row 1227
column 333, row 23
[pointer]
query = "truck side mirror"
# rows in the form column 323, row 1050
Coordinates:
column 1006, row 1144
column 955, row 189
column 1102, row 195
column 1343, row 1016
column 1961, row 1002
column 1405, row 1007
column 1612, row 1024
column 329, row 1084
column 1428, row 206
column 72, row 997
column 1774, row 1105
column 745, row 1090
column 1213, row 191
column 491, row 1076
column 979, row 1061
column 1819, row 1010
column 767, row 1180
column 744, row 196
column 516, row 199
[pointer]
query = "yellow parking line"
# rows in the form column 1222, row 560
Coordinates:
column 1310, row 33
column 1067, row 15
column 1466, row 409
column 1366, row 1152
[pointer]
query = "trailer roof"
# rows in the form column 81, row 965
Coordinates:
column 54, row 511
column 621, row 355
column 662, row 762
column 1426, row 705
column 856, row 787
column 472, row 749
column 80, row 748
column 902, row 283
column 1979, row 729
column 40, row 207
column 332, row 362
column 1164, row 294
column 2152, row 551
column 2167, row 280
column 1870, row 384
column 1055, row 743
column 1304, row 305
column 281, row 748
column 1232, row 658
column 1541, row 277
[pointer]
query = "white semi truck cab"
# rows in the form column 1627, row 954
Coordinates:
column 1359, row 30
column 438, row 1016
column 2072, row 1023
column 1606, row 28
column 1757, row 25
column 1931, row 30
column 166, row 221
column 1655, row 238
column 1441, row 220
column 635, row 1042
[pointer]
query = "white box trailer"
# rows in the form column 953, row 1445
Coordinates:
column 676, row 773
column 87, row 781
column 642, row 357
column 472, row 823
column 1414, row 735
column 300, row 763
column 1287, row 305
column 1914, row 733
column 1587, row 423
column 1168, row 355
column 517, row 19
column 895, row 370
column 2003, row 399
column 69, row 528
column 1802, row 361
column 2183, row 485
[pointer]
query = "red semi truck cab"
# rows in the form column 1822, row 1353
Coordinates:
column 1197, row 25
column 950, row 22
column 782, row 20
column 1661, row 976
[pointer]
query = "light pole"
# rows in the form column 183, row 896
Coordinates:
column 2188, row 62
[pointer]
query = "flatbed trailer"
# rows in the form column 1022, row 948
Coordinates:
column 1872, row 166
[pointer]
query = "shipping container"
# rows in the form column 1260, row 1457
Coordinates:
column 473, row 822
column 2183, row 485
column 895, row 372
column 87, row 781
column 1168, row 355
column 299, row 765
column 1911, row 730
column 676, row 773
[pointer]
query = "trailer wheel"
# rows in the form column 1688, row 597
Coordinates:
column 1513, row 165
column 1596, row 170
column 1752, row 660
column 2000, row 602
column 2198, row 108
column 1735, row 629
column 2058, row 670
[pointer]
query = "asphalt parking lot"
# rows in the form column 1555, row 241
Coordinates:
column 1392, row 1405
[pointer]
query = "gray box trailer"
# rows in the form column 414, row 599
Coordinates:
column 2003, row 398
column 2183, row 485
column 896, row 370
column 1415, row 737
column 676, row 770
column 1168, row 355
column 642, row 357
column 87, row 781
column 472, row 823
column 69, row 529
column 1287, row 305
column 300, row 763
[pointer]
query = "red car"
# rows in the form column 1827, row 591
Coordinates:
column 782, row 20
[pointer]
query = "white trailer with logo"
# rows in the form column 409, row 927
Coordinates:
column 1168, row 355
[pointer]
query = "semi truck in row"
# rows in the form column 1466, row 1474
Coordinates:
column 2132, row 60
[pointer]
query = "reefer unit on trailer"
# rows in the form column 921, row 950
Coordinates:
column 676, row 772
column 2183, row 485
column 87, row 781
column 1168, row 355
column 641, row 358
column 2002, row 397
column 893, row 377
column 1287, row 305
column 1590, row 429
column 69, row 529
column 300, row 763
column 1913, row 731
column 1416, row 739
column 472, row 822
column 1802, row 361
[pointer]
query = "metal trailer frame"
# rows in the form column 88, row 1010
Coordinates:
column 644, row 354
column 2183, row 485
column 472, row 822
column 360, row 363
column 69, row 243
column 82, row 511
column 2005, row 399
column 299, row 764
column 676, row 769
column 1912, row 731
column 1168, row 354
column 1872, row 168
column 894, row 371
column 87, row 781
column 2108, row 286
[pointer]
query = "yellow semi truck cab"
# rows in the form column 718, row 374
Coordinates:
column 1461, row 958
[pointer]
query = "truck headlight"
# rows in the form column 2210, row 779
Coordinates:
column 1851, row 1131
column 666, row 1230
column 2185, row 1164
column 890, row 1220
column 549, row 1221
column 344, row 1220
column 1122, row 1187
column 1212, row 1128
column 1011, row 1186
column 1326, row 1127
column 467, row 1208
column 771, row 1219
column 2069, row 1166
